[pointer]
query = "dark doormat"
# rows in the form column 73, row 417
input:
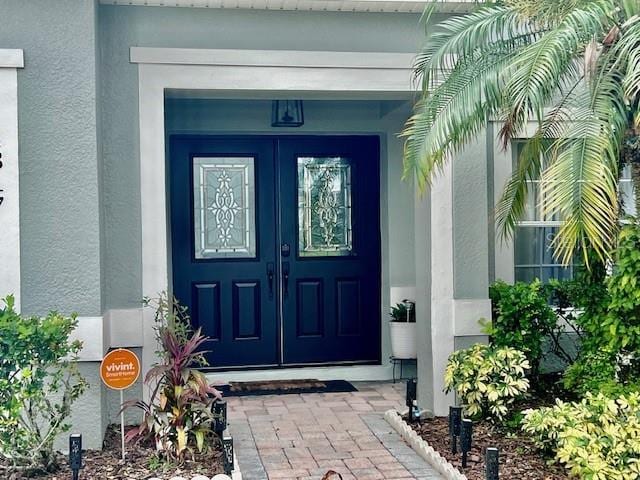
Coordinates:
column 282, row 387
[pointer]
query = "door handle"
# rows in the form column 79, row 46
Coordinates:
column 285, row 279
column 270, row 274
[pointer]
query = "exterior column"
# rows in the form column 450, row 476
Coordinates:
column 434, row 286
column 442, row 283
column 10, row 61
column 156, row 249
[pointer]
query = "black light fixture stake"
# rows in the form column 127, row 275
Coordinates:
column 411, row 398
column 466, row 435
column 491, row 463
column 227, row 449
column 219, row 410
column 455, row 419
column 75, row 454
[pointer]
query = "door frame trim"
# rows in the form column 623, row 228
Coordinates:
column 315, row 79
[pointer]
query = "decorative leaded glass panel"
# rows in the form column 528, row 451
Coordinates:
column 224, row 207
column 324, row 211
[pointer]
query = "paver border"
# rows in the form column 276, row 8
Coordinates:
column 422, row 447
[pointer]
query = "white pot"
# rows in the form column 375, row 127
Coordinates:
column 403, row 340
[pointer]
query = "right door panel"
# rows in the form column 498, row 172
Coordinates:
column 330, row 249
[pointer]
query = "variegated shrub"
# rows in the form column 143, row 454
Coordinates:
column 487, row 380
column 597, row 438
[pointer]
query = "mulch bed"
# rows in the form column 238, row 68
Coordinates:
column 107, row 464
column 519, row 457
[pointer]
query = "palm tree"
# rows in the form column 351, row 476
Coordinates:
column 570, row 66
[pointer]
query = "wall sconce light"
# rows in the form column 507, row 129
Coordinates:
column 287, row 113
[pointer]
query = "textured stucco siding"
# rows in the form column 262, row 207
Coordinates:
column 89, row 412
column 59, row 197
column 123, row 26
column 471, row 221
column 98, row 407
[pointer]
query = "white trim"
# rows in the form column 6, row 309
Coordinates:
column 375, row 81
column 365, row 6
column 351, row 373
column 442, row 288
column 10, row 283
column 272, row 58
column 92, row 333
column 11, row 58
column 422, row 447
column 117, row 328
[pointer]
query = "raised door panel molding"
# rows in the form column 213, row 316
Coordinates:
column 10, row 60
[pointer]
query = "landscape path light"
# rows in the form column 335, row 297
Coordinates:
column 455, row 419
column 466, row 434
column 75, row 454
column 491, row 461
column 411, row 399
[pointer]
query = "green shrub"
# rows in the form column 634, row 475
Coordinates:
column 178, row 417
column 620, row 328
column 603, row 371
column 39, row 381
column 522, row 318
column 487, row 380
column 589, row 372
column 596, row 439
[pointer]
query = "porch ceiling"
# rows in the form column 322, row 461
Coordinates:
column 388, row 6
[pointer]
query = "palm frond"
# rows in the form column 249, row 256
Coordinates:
column 511, row 206
column 542, row 69
column 452, row 114
column 461, row 36
column 627, row 51
column 580, row 184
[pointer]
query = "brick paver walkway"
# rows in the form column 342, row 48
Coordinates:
column 297, row 437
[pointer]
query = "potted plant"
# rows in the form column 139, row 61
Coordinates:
column 403, row 330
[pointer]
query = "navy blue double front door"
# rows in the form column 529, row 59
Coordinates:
column 276, row 246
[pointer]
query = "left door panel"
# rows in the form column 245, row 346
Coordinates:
column 223, row 229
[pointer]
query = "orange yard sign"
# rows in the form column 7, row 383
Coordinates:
column 120, row 369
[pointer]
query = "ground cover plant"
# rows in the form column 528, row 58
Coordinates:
column 39, row 382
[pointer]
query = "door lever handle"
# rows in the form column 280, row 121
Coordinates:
column 285, row 279
column 270, row 275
